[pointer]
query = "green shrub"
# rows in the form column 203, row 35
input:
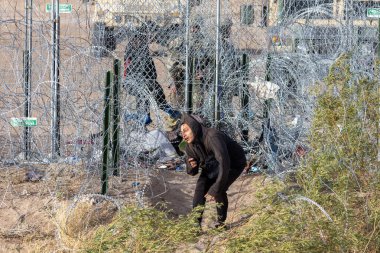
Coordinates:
column 144, row 230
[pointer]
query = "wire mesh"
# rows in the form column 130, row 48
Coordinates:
column 268, row 54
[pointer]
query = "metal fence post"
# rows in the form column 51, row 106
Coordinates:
column 55, row 124
column 27, row 58
column 106, row 126
column 245, row 97
column 267, row 102
column 27, row 131
column 116, row 118
column 217, row 87
column 188, row 84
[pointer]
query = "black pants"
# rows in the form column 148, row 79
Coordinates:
column 158, row 94
column 134, row 87
column 203, row 185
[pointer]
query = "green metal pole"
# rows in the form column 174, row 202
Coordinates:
column 116, row 119
column 244, row 97
column 106, row 125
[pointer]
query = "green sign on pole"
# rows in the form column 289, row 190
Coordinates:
column 63, row 8
column 24, row 122
column 373, row 12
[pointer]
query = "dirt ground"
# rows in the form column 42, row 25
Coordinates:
column 39, row 203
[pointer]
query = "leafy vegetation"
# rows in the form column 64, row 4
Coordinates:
column 144, row 230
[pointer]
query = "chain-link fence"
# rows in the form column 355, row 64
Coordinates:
column 247, row 66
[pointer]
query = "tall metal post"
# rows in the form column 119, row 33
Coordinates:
column 115, row 118
column 106, row 133
column 188, row 89
column 217, row 65
column 244, row 99
column 27, row 59
column 349, row 23
column 55, row 86
column 191, row 85
column 267, row 102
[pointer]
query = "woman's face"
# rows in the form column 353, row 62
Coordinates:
column 187, row 133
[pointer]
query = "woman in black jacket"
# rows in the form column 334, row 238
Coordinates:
column 220, row 158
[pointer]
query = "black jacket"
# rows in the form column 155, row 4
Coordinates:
column 215, row 153
column 138, row 63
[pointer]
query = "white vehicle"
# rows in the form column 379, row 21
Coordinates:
column 113, row 19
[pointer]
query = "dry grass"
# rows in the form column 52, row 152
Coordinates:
column 77, row 219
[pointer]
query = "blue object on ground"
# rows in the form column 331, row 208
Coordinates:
column 254, row 170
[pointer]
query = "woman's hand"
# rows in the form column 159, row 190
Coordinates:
column 193, row 163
